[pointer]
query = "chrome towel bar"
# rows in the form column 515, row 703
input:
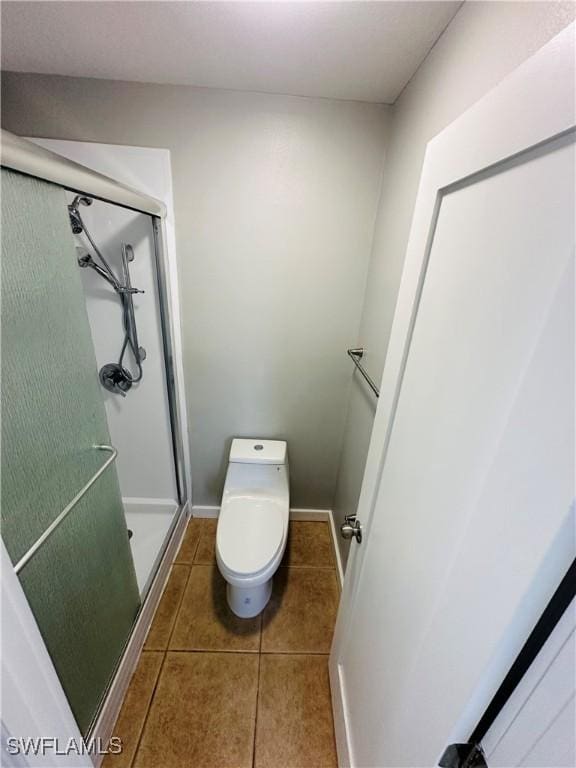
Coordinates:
column 68, row 508
column 356, row 355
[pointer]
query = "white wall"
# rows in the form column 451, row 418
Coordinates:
column 275, row 201
column 484, row 42
column 139, row 424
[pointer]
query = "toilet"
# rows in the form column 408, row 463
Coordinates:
column 253, row 522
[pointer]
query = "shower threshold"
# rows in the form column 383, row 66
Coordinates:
column 150, row 521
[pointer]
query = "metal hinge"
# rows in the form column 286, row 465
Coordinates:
column 463, row 756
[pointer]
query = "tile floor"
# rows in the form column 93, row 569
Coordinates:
column 214, row 691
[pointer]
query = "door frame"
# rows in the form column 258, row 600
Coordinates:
column 535, row 103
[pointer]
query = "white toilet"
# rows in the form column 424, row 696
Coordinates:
column 253, row 522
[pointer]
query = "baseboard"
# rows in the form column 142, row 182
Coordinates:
column 336, row 549
column 312, row 515
column 295, row 514
column 198, row 511
column 341, row 730
column 150, row 502
column 103, row 728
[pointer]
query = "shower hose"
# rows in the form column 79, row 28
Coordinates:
column 115, row 377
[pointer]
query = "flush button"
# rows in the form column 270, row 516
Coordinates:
column 258, row 447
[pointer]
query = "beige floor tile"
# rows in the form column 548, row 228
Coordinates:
column 294, row 723
column 189, row 542
column 206, row 551
column 203, row 713
column 165, row 615
column 302, row 610
column 309, row 544
column 133, row 713
column 204, row 620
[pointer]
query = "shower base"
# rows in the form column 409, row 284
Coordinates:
column 149, row 520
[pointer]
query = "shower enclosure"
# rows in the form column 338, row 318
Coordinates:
column 93, row 483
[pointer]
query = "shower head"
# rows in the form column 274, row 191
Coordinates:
column 75, row 218
column 85, row 260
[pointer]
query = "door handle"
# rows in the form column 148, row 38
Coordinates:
column 351, row 528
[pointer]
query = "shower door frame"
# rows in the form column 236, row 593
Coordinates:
column 29, row 159
column 167, row 325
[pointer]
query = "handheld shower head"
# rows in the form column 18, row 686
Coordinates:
column 75, row 218
column 85, row 260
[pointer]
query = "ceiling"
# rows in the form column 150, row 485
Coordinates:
column 365, row 51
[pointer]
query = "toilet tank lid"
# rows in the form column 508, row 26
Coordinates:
column 257, row 451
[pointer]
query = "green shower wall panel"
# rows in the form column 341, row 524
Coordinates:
column 81, row 584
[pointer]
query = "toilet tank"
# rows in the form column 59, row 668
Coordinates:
column 257, row 451
column 258, row 473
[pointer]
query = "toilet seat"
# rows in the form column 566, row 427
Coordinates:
column 249, row 536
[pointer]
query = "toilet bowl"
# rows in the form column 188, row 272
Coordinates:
column 253, row 522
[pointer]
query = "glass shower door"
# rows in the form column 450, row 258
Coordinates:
column 81, row 583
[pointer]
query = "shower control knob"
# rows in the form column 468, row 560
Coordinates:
column 351, row 528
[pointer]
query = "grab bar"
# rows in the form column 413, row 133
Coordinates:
column 356, row 355
column 68, row 508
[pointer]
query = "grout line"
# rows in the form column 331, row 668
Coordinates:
column 313, row 568
column 173, row 564
column 295, row 653
column 257, row 697
column 197, row 547
column 176, row 612
column 261, row 629
column 146, row 716
column 178, row 607
column 191, row 563
column 295, row 567
column 253, row 652
column 200, row 537
column 244, row 652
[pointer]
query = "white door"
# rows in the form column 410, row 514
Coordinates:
column 537, row 726
column 467, row 500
